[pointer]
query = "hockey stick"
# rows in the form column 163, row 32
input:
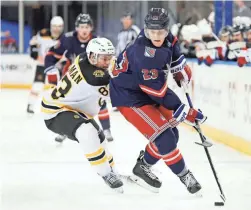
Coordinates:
column 205, row 148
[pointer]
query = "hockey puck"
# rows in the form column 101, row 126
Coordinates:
column 218, row 203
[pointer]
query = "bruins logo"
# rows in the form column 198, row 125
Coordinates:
column 76, row 116
column 98, row 73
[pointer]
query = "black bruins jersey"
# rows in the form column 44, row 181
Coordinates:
column 83, row 89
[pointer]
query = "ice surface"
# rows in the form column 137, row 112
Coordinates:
column 38, row 174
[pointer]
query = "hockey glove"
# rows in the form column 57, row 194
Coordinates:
column 34, row 52
column 184, row 75
column 189, row 115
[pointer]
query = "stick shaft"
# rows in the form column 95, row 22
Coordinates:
column 202, row 139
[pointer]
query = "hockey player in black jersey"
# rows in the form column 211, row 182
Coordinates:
column 70, row 45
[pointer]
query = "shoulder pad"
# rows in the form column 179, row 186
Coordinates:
column 82, row 57
column 214, row 44
column 69, row 34
column 171, row 39
column 136, row 29
column 45, row 32
column 237, row 45
column 33, row 40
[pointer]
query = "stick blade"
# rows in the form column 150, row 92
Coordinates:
column 204, row 144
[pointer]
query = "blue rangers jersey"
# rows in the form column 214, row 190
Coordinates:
column 140, row 74
column 69, row 46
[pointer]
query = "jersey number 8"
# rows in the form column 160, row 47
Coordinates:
column 104, row 91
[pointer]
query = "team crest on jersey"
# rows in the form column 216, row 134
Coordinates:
column 82, row 45
column 98, row 73
column 76, row 116
column 149, row 52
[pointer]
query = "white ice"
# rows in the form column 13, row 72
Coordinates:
column 38, row 174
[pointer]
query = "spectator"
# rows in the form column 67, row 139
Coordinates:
column 237, row 34
column 127, row 34
column 241, row 10
column 5, row 33
column 248, row 35
column 8, row 44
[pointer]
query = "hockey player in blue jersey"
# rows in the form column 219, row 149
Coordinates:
column 70, row 45
column 140, row 91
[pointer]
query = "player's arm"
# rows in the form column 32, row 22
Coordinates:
column 153, row 82
column 179, row 68
column 56, row 52
column 55, row 59
column 34, row 47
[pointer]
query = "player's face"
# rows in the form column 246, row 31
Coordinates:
column 225, row 38
column 127, row 22
column 237, row 37
column 157, row 36
column 104, row 61
column 249, row 36
column 84, row 31
column 56, row 30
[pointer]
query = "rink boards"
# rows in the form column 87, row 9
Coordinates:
column 222, row 91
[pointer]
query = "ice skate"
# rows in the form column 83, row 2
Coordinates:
column 193, row 186
column 143, row 175
column 113, row 181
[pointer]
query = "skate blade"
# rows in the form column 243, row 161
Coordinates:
column 109, row 139
column 143, row 184
column 119, row 190
column 60, row 138
column 198, row 194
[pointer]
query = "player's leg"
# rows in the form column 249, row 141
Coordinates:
column 168, row 114
column 186, row 176
column 36, row 89
column 104, row 119
column 52, row 78
column 163, row 145
column 90, row 138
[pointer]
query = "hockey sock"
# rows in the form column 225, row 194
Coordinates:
column 175, row 161
column 37, row 88
column 166, row 144
column 95, row 153
column 104, row 118
column 151, row 155
column 176, row 133
column 111, row 161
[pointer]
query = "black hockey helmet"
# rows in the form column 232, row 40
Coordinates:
column 237, row 29
column 225, row 31
column 127, row 14
column 83, row 19
column 248, row 28
column 157, row 18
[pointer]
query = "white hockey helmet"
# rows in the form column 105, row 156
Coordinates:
column 100, row 46
column 57, row 20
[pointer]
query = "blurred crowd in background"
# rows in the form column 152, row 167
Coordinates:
column 191, row 21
